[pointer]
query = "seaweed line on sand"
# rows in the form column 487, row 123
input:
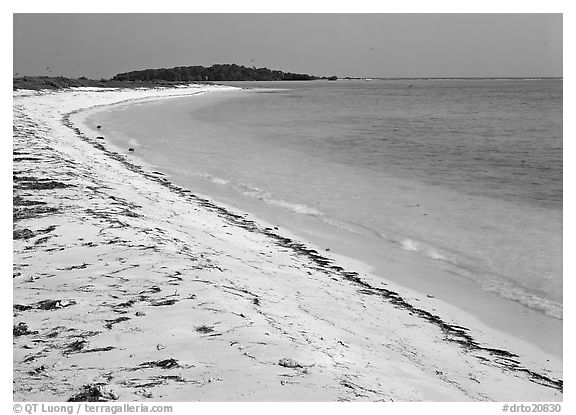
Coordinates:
column 503, row 359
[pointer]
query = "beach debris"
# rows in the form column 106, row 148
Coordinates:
column 88, row 333
column 256, row 301
column 100, row 137
column 79, row 346
column 70, row 268
column 98, row 126
column 117, row 307
column 153, row 289
column 93, row 393
column 53, row 304
column 210, row 380
column 154, row 381
column 32, row 183
column 98, row 349
column 21, row 329
column 145, row 394
column 21, row 307
column 45, row 305
column 110, row 323
column 291, row 363
column 40, row 241
column 56, row 331
column 38, row 370
column 130, row 149
column 140, row 313
column 430, row 296
column 164, row 364
column 75, row 346
column 23, row 233
column 175, row 378
column 204, row 329
column 157, row 303
column 23, row 213
column 160, row 346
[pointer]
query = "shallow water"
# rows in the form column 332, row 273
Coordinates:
column 459, row 176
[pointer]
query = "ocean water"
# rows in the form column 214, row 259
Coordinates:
column 464, row 176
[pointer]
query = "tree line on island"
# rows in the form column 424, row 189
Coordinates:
column 164, row 77
column 219, row 72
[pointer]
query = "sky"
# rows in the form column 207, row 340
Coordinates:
column 359, row 45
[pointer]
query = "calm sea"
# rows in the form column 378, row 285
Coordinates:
column 465, row 175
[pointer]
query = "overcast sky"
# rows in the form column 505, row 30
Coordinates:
column 373, row 45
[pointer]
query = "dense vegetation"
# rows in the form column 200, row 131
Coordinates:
column 221, row 72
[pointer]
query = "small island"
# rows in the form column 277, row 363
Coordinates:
column 219, row 72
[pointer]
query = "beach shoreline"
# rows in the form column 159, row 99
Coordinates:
column 408, row 262
column 293, row 339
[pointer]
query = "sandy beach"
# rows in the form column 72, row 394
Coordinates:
column 128, row 287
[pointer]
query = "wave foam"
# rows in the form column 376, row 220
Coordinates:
column 294, row 207
column 266, row 197
column 218, row 180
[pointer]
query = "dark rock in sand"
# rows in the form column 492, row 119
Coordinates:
column 130, row 149
column 100, row 137
column 98, row 126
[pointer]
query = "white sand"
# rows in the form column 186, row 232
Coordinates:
column 232, row 304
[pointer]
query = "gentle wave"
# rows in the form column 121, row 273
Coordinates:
column 511, row 291
column 353, row 227
column 504, row 288
column 501, row 286
column 430, row 252
column 266, row 197
column 217, row 180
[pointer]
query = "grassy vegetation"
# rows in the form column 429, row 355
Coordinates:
column 60, row 82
